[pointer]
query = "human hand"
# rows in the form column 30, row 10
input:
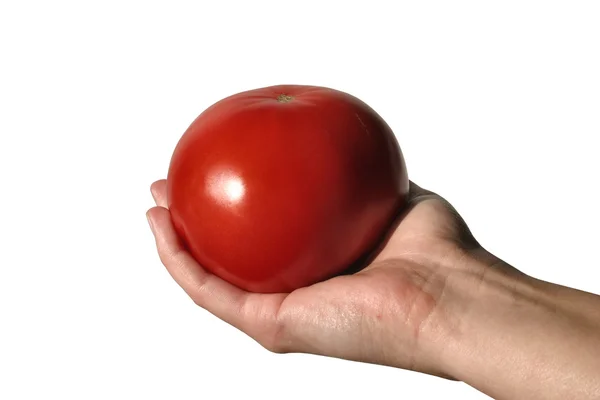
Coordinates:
column 432, row 300
column 392, row 312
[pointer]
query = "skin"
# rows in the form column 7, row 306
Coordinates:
column 433, row 300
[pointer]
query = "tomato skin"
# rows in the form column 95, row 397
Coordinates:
column 281, row 187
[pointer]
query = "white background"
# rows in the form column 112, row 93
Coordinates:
column 496, row 106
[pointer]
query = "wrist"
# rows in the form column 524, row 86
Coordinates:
column 448, row 280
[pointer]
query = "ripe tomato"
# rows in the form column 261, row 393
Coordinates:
column 278, row 188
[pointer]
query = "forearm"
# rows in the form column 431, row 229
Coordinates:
column 520, row 338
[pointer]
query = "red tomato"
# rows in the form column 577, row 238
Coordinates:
column 281, row 187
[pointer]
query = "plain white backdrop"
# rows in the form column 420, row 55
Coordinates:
column 496, row 106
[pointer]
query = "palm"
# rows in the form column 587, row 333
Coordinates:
column 341, row 316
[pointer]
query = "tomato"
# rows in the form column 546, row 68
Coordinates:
column 281, row 187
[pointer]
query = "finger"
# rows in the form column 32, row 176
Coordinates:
column 159, row 192
column 210, row 292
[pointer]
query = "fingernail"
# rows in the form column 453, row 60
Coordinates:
column 150, row 222
column 153, row 196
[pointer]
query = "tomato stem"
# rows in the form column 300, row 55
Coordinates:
column 284, row 98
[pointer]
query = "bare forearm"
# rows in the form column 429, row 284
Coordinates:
column 520, row 338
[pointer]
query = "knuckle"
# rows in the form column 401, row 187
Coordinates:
column 278, row 340
column 274, row 347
